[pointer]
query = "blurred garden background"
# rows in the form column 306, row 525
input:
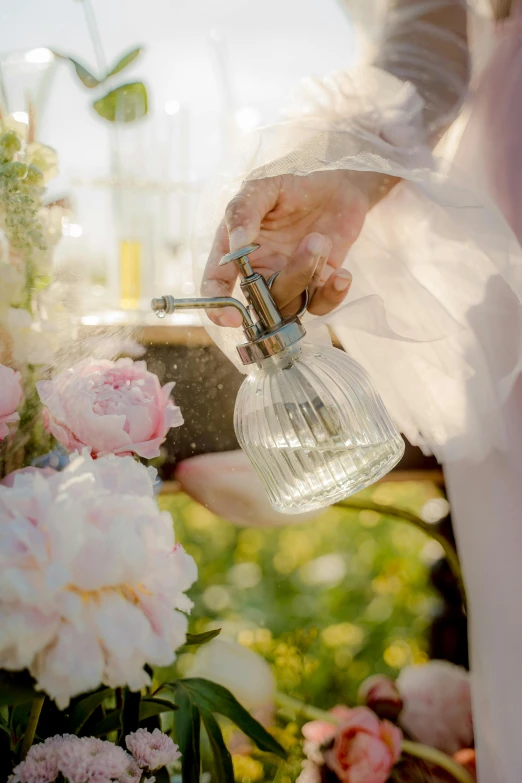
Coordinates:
column 326, row 603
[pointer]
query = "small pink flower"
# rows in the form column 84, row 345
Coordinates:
column 40, row 765
column 109, row 407
column 88, row 758
column 466, row 757
column 10, row 398
column 76, row 759
column 152, row 751
column 132, row 774
column 381, row 695
column 437, row 705
column 365, row 748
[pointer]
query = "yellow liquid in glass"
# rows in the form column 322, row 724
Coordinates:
column 130, row 273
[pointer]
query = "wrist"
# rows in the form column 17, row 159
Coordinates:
column 372, row 185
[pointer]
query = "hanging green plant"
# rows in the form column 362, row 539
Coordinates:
column 124, row 103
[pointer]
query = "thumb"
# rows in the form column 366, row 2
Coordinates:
column 247, row 210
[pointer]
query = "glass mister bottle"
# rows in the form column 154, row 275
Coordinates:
column 308, row 417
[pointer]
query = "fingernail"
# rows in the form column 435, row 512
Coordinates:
column 342, row 280
column 316, row 244
column 238, row 239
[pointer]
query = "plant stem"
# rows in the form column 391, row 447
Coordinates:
column 424, row 752
column 438, row 758
column 297, row 707
column 32, row 723
column 94, row 32
column 413, row 519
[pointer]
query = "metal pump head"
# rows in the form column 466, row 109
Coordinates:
column 267, row 332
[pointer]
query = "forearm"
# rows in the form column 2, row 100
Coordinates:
column 424, row 42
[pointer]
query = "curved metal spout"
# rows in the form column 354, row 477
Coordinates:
column 166, row 305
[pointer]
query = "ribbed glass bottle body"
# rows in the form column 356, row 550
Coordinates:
column 314, row 428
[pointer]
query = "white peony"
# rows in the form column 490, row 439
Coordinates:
column 33, row 342
column 91, row 581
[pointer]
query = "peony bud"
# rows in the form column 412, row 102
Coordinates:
column 381, row 695
column 242, row 671
column 437, row 705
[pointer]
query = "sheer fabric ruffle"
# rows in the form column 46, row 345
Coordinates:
column 432, row 258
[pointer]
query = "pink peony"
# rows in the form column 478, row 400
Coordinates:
column 318, row 733
column 110, row 408
column 365, row 748
column 152, row 751
column 227, row 484
column 10, row 398
column 381, row 695
column 91, row 582
column 76, row 759
column 437, row 705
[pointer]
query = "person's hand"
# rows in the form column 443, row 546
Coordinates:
column 305, row 226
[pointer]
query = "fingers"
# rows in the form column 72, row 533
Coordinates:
column 219, row 280
column 245, row 213
column 303, row 270
column 331, row 294
column 240, row 227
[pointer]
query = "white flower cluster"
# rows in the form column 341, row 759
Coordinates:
column 92, row 584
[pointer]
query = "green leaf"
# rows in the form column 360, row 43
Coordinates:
column 161, row 775
column 123, row 62
column 211, row 697
column 202, row 638
column 84, row 709
column 130, row 713
column 188, row 731
column 85, row 76
column 222, row 758
column 112, row 722
column 150, row 707
column 15, row 688
column 123, row 104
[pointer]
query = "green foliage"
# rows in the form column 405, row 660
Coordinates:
column 124, row 103
column 124, row 61
column 198, row 700
column 15, row 688
column 85, row 76
column 21, row 189
column 84, row 708
column 202, row 638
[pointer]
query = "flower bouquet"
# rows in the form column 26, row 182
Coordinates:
column 416, row 730
column 92, row 582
